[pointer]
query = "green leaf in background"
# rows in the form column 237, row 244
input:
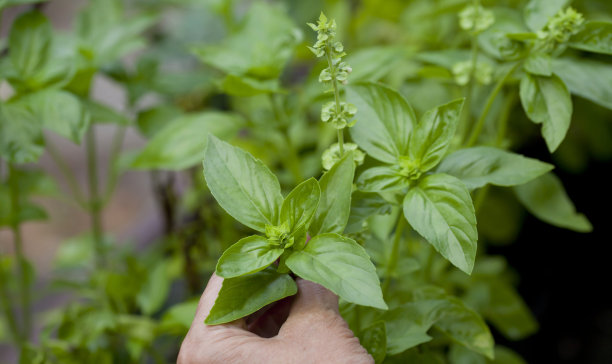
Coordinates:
column 102, row 114
column 384, row 122
column 407, row 325
column 335, row 204
column 182, row 142
column 538, row 12
column 59, row 111
column 539, row 64
column 155, row 288
column 547, row 200
column 106, row 34
column 261, row 46
column 507, row 311
column 547, row 101
column 364, row 205
column 596, row 36
column 242, row 296
column 382, row 178
column 440, row 209
column 237, row 85
column 461, row 355
column 153, row 120
column 242, row 185
column 588, row 79
column 374, row 63
column 433, row 134
column 248, row 255
column 300, row 205
column 21, row 138
column 7, row 3
column 30, row 44
column 479, row 166
column 374, row 339
column 340, row 265
column 465, row 326
column 178, row 318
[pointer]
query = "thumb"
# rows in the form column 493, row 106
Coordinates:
column 313, row 296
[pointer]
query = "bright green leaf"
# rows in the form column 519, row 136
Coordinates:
column 21, row 139
column 588, row 79
column 440, row 209
column 384, row 121
column 300, row 205
column 242, row 296
column 539, row 64
column 30, row 43
column 242, row 185
column 103, row 114
column 59, row 111
column 236, row 85
column 248, row 255
column 182, row 142
column 547, row 101
column 433, row 134
column 382, row 178
column 155, row 289
column 546, row 198
column 340, row 265
column 260, row 47
column 480, row 166
column 335, row 204
column 596, row 36
column 364, row 205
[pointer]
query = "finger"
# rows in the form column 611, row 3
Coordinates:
column 313, row 296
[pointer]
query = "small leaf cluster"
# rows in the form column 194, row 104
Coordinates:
column 475, row 19
column 560, row 29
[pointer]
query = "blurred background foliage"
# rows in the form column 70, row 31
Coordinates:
column 241, row 70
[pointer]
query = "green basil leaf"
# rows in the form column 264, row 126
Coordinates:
column 21, row 138
column 364, row 205
column 407, row 325
column 151, row 121
column 507, row 311
column 181, row 143
column 59, row 111
column 588, row 79
column 30, row 44
column 539, row 64
column 433, row 134
column 242, row 296
column 335, row 204
column 374, row 63
column 340, row 265
column 480, row 166
column 374, row 339
column 440, row 209
column 466, row 327
column 177, row 319
column 547, row 200
column 384, row 121
column 383, row 178
column 538, row 12
column 547, row 101
column 248, row 255
column 596, row 36
column 248, row 86
column 155, row 288
column 300, row 205
column 260, row 47
column 7, row 3
column 103, row 114
column 242, row 185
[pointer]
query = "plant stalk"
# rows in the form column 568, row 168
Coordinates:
column 393, row 258
column 24, row 287
column 332, row 71
column 95, row 204
column 73, row 185
column 485, row 112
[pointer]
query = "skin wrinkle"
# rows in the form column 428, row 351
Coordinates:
column 313, row 333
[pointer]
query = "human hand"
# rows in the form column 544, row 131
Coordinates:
column 303, row 329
